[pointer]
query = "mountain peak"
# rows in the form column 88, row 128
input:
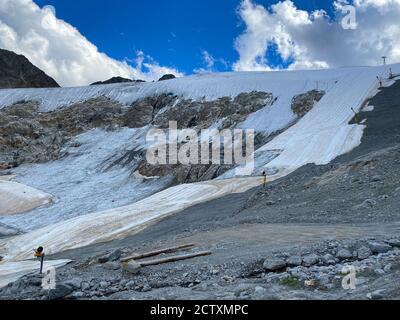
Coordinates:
column 16, row 71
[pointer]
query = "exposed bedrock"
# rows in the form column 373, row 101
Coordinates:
column 16, row 71
column 303, row 103
column 30, row 136
column 203, row 114
column 26, row 135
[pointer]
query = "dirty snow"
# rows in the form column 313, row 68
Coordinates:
column 120, row 222
column 80, row 183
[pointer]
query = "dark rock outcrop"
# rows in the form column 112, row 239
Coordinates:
column 167, row 77
column 30, row 136
column 303, row 103
column 144, row 111
column 17, row 72
column 26, row 135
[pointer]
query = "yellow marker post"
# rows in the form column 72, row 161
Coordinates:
column 39, row 254
column 264, row 174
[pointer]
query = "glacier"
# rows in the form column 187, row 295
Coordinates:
column 319, row 137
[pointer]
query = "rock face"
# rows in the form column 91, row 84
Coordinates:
column 144, row 111
column 274, row 264
column 26, row 135
column 115, row 80
column 30, row 136
column 17, row 72
column 303, row 103
column 202, row 114
column 197, row 115
column 167, row 77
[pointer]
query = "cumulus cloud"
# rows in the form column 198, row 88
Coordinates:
column 314, row 39
column 211, row 63
column 146, row 68
column 61, row 50
column 208, row 61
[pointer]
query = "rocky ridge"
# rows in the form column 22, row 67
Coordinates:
column 16, row 71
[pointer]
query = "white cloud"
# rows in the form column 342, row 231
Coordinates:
column 211, row 63
column 314, row 40
column 148, row 69
column 61, row 51
column 208, row 61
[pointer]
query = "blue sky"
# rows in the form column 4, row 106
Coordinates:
column 91, row 40
column 173, row 32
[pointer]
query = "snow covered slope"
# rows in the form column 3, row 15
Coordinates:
column 206, row 86
column 319, row 137
column 80, row 182
column 325, row 133
column 121, row 222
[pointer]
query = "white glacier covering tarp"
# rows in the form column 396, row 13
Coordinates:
column 205, row 86
column 325, row 133
column 120, row 222
column 17, row 198
column 319, row 137
column 85, row 181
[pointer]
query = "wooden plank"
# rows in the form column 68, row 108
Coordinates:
column 157, row 252
column 174, row 258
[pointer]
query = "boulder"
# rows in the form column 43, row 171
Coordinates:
column 328, row 259
column 303, row 103
column 344, row 254
column 295, row 261
column 376, row 295
column 113, row 266
column 379, row 247
column 394, row 242
column 310, row 260
column 364, row 253
column 16, row 71
column 61, row 291
column 113, row 256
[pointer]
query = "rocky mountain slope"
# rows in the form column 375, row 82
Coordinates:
column 299, row 238
column 16, row 71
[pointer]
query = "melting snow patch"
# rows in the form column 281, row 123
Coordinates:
column 120, row 222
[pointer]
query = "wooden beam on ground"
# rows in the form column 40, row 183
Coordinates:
column 157, row 252
column 174, row 259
